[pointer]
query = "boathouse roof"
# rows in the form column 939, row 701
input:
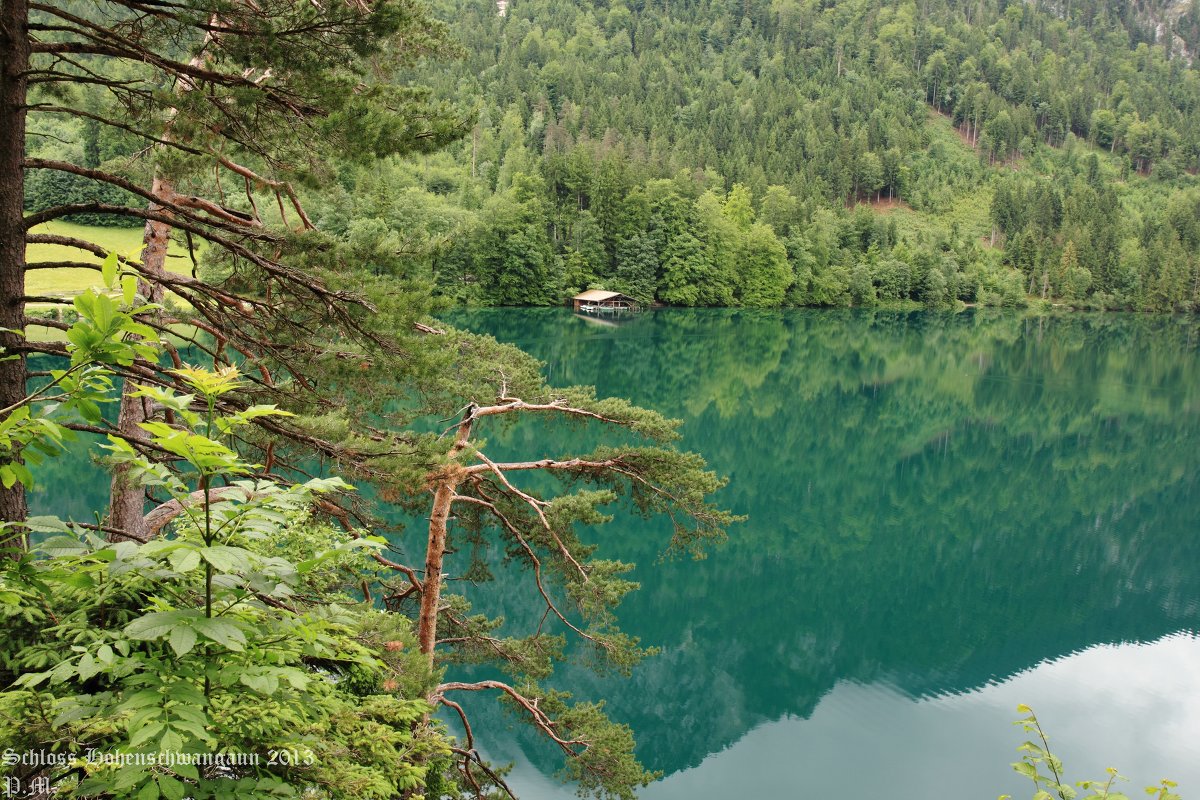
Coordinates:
column 599, row 295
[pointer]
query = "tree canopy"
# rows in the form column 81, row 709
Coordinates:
column 316, row 345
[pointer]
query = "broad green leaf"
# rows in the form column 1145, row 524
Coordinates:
column 108, row 270
column 221, row 631
column 87, row 667
column 145, row 734
column 194, row 729
column 170, row 788
column 149, row 791
column 127, row 777
column 182, row 640
column 129, row 289
column 146, row 697
column 184, row 560
column 188, row 771
column 23, row 474
column 263, row 684
column 226, row 559
column 171, row 742
column 63, row 546
column 79, row 580
column 155, row 625
column 33, row 679
column 74, row 713
column 47, row 525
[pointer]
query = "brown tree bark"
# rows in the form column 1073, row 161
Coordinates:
column 14, row 65
column 435, row 552
column 127, row 501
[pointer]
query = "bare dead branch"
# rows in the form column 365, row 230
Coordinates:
column 540, row 719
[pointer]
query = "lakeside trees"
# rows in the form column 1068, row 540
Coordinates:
column 258, row 96
column 822, row 105
column 329, row 327
column 227, row 659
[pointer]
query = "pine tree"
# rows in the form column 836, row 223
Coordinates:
column 261, row 94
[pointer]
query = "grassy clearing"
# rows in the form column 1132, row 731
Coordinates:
column 70, row 282
column 952, row 179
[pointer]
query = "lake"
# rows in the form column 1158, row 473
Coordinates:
column 948, row 515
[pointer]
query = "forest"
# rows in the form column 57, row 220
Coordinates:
column 789, row 154
column 728, row 154
column 231, row 232
column 720, row 154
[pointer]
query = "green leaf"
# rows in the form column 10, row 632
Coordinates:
column 1026, row 769
column 73, row 714
column 221, row 631
column 171, row 742
column 108, row 270
column 226, row 559
column 263, row 684
column 182, row 639
column 7, row 476
column 87, row 667
column 63, row 546
column 127, row 777
column 170, row 788
column 188, row 771
column 184, row 560
column 129, row 289
column 23, row 474
column 156, row 624
column 145, row 734
column 194, row 729
column 149, row 791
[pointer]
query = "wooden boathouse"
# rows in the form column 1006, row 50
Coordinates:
column 599, row 301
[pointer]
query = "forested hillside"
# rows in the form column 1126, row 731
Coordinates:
column 705, row 153
column 844, row 152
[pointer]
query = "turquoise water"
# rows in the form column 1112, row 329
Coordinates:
column 948, row 515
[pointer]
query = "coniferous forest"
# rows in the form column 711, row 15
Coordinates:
column 789, row 154
column 233, row 234
column 813, row 153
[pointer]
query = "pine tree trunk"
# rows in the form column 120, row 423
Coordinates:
column 127, row 501
column 431, row 588
column 435, row 551
column 14, row 65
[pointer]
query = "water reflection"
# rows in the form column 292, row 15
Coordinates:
column 876, row 741
column 948, row 515
column 936, row 502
